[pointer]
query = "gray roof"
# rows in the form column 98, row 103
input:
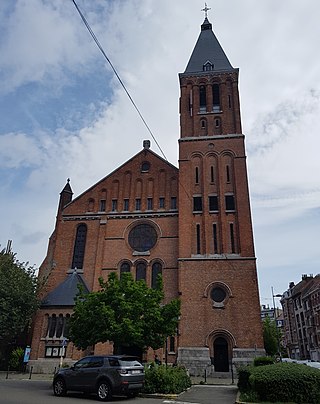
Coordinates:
column 207, row 49
column 65, row 292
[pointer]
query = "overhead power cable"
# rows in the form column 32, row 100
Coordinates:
column 117, row 75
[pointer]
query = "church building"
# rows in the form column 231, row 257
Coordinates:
column 192, row 224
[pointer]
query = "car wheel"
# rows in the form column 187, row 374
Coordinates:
column 104, row 391
column 59, row 387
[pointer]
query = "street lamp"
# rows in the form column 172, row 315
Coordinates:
column 275, row 319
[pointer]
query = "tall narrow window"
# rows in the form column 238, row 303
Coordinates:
column 197, row 175
column 126, row 205
column 216, row 97
column 173, row 202
column 138, row 204
column 198, row 239
column 172, row 344
column 53, row 324
column 203, row 101
column 197, row 203
column 233, row 248
column 141, row 271
column 79, row 246
column 215, row 239
column 114, row 206
column 125, row 267
column 211, row 174
column 156, row 270
column 149, row 204
column 102, row 205
column 203, row 124
column 161, row 202
column 60, row 324
column 228, row 173
column 230, row 205
column 229, row 101
column 213, row 203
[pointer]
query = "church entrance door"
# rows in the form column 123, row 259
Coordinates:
column 221, row 357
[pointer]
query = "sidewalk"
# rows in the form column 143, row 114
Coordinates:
column 25, row 376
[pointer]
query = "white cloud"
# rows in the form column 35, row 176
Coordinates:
column 150, row 42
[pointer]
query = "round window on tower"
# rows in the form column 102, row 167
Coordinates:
column 143, row 237
column 219, row 295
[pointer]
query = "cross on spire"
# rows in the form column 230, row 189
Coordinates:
column 206, row 9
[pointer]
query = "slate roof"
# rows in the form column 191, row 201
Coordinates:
column 65, row 292
column 207, row 49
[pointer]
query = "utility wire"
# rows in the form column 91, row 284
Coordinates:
column 124, row 87
column 117, row 75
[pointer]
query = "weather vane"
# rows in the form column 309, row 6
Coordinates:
column 206, row 9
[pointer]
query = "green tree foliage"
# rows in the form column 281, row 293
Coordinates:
column 123, row 311
column 270, row 336
column 18, row 296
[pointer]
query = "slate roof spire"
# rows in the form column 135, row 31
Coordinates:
column 207, row 49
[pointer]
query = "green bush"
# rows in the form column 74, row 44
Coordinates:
column 16, row 358
column 244, row 373
column 166, row 379
column 285, row 382
column 263, row 360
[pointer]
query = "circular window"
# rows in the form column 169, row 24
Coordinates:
column 145, row 166
column 218, row 294
column 142, row 237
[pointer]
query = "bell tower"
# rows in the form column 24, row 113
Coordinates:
column 220, row 317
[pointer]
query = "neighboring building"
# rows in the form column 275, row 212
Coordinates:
column 301, row 309
column 192, row 225
column 272, row 312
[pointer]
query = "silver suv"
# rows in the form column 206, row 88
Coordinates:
column 103, row 375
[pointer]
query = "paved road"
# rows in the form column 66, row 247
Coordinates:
column 40, row 392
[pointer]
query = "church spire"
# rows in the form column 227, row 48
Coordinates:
column 207, row 53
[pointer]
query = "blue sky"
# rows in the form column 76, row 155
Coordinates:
column 64, row 115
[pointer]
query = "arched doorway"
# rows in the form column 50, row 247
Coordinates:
column 220, row 355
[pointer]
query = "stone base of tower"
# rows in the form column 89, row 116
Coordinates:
column 195, row 359
column 198, row 362
column 245, row 356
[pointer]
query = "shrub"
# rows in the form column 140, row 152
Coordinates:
column 16, row 358
column 263, row 360
column 284, row 382
column 244, row 373
column 166, row 379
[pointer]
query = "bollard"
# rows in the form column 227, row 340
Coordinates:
column 232, row 377
column 55, row 370
column 30, row 374
column 7, row 375
column 205, row 375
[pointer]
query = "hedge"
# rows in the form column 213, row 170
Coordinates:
column 281, row 382
column 166, row 379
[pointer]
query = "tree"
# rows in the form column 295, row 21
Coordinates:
column 18, row 296
column 270, row 336
column 125, row 312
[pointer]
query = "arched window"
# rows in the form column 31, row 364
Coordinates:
column 60, row 324
column 156, row 270
column 141, row 271
column 203, row 99
column 79, row 247
column 52, row 326
column 125, row 267
column 216, row 97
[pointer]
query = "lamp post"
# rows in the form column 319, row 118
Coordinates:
column 275, row 319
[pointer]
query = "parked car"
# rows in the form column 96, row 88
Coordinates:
column 103, row 375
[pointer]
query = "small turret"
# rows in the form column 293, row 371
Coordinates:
column 65, row 196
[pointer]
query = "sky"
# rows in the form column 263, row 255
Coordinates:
column 64, row 114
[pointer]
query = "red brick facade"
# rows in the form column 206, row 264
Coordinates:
column 201, row 221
